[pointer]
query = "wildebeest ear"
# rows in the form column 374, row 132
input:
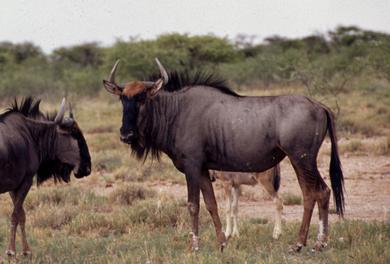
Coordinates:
column 112, row 87
column 156, row 87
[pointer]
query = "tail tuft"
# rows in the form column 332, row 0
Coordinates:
column 335, row 171
column 276, row 177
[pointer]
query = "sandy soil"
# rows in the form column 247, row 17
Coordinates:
column 367, row 195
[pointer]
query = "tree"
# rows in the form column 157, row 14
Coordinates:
column 88, row 54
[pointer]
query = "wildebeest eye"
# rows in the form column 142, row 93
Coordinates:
column 67, row 122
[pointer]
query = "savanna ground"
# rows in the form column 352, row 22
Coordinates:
column 129, row 212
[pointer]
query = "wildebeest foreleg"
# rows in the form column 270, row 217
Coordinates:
column 14, row 224
column 229, row 200
column 211, row 205
column 278, row 216
column 193, row 190
column 236, row 195
column 22, row 223
column 18, row 216
column 267, row 182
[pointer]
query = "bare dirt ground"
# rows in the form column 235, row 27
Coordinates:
column 367, row 190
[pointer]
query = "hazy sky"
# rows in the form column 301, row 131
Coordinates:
column 54, row 23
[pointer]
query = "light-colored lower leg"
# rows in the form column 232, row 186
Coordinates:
column 228, row 231
column 236, row 194
column 11, row 246
column 278, row 216
column 323, row 207
column 194, row 242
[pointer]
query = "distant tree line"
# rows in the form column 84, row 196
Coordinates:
column 323, row 63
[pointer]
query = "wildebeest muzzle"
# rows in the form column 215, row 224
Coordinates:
column 127, row 137
column 82, row 173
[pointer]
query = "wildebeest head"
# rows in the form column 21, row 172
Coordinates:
column 132, row 95
column 71, row 150
column 63, row 148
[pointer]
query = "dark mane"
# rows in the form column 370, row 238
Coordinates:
column 179, row 80
column 154, row 130
column 28, row 107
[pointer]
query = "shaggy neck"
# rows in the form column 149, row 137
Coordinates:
column 45, row 137
column 156, row 123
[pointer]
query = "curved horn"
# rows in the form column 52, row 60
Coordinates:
column 111, row 78
column 163, row 72
column 70, row 110
column 148, row 84
column 60, row 114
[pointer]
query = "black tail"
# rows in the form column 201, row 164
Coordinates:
column 276, row 177
column 336, row 174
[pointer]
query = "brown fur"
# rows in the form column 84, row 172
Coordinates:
column 133, row 88
column 231, row 184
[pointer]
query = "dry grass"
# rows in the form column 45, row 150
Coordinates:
column 85, row 222
column 128, row 194
column 363, row 146
column 291, row 199
column 353, row 146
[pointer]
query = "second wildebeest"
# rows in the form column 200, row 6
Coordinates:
column 201, row 124
column 232, row 181
column 32, row 143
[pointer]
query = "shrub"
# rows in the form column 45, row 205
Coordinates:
column 291, row 199
column 130, row 193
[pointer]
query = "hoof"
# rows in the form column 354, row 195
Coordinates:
column 236, row 234
column 222, row 246
column 27, row 253
column 319, row 246
column 296, row 248
column 10, row 253
column 194, row 242
column 276, row 236
column 195, row 248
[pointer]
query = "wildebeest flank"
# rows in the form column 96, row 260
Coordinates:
column 30, row 144
column 201, row 124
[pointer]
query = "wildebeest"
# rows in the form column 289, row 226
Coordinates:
column 201, row 124
column 232, row 181
column 32, row 143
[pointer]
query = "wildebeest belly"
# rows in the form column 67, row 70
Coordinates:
column 248, row 159
column 14, row 164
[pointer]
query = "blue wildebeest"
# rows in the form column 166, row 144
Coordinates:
column 32, row 143
column 201, row 124
column 232, row 181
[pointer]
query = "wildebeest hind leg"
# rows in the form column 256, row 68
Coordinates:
column 322, row 197
column 307, row 181
column 211, row 205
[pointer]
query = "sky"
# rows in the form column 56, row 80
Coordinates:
column 57, row 23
